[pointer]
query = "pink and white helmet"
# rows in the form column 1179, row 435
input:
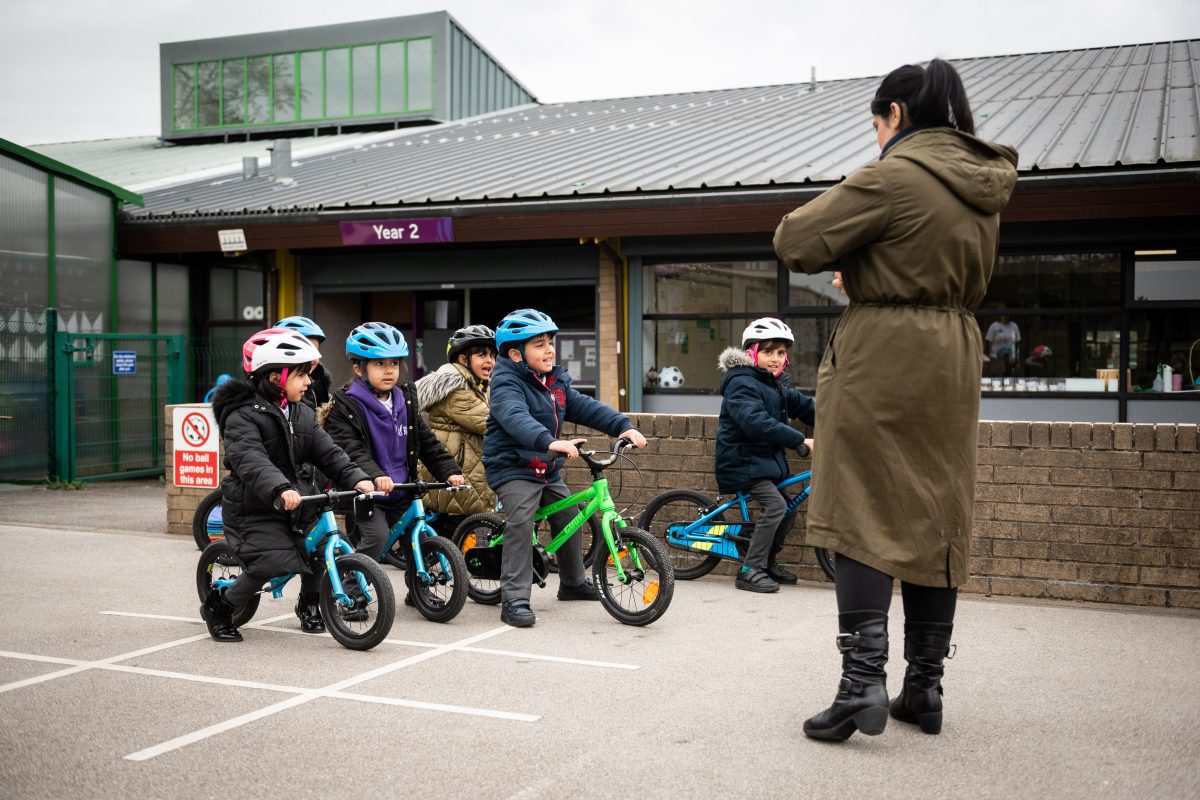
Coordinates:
column 280, row 346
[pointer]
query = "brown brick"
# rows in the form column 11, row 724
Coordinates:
column 1162, row 537
column 1039, row 434
column 999, row 455
column 1142, row 479
column 1051, row 458
column 1164, row 437
column 679, row 426
column 1127, row 498
column 985, row 433
column 1184, row 501
column 981, row 546
column 1183, row 598
column 1141, row 517
column 996, row 529
column 1187, row 438
column 1060, row 434
column 1020, row 475
column 1111, row 459
column 1018, row 587
column 1048, row 570
column 1092, row 553
column 1184, row 557
column 1022, row 512
column 1080, row 477
column 1014, row 549
column 1143, row 437
column 1136, row 596
column 983, row 473
column 1174, row 462
column 1075, row 591
column 1001, row 433
column 1122, row 436
column 1185, row 520
column 1081, row 435
column 976, row 585
column 1108, row 573
column 1171, row 576
column 1185, row 480
column 1102, row 438
column 984, row 511
column 1151, row 556
column 1008, row 567
column 1050, row 495
column 1020, row 434
column 1103, row 534
column 997, row 492
column 1080, row 515
column 1046, row 532
column 710, row 427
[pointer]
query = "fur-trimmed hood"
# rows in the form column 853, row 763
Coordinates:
column 440, row 384
column 733, row 357
column 232, row 395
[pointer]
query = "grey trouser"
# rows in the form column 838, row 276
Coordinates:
column 373, row 534
column 521, row 499
column 771, row 508
column 246, row 585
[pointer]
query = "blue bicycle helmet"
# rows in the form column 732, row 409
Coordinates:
column 373, row 340
column 304, row 325
column 521, row 325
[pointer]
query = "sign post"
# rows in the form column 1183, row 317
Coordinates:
column 197, row 447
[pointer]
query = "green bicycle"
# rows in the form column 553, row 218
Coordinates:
column 632, row 571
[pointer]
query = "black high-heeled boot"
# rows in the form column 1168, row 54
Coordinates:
column 218, row 616
column 309, row 613
column 926, row 646
column 861, row 703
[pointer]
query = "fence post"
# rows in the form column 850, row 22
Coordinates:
column 176, row 379
column 64, row 407
column 51, row 316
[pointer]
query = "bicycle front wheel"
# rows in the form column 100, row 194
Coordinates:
column 220, row 562
column 680, row 507
column 368, row 619
column 440, row 598
column 825, row 560
column 649, row 583
column 480, row 530
column 207, row 522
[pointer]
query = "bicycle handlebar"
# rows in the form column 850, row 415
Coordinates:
column 421, row 487
column 587, row 455
column 331, row 496
column 803, row 450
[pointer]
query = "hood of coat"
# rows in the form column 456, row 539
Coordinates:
column 522, row 371
column 232, row 395
column 734, row 361
column 980, row 173
column 437, row 386
column 733, row 357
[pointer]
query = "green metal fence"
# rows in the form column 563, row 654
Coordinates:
column 83, row 406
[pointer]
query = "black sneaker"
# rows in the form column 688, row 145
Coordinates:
column 518, row 614
column 780, row 575
column 584, row 591
column 753, row 579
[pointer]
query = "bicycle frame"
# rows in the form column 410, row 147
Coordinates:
column 701, row 535
column 416, row 522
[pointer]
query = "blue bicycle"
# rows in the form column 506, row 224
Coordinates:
column 434, row 569
column 707, row 531
column 356, row 597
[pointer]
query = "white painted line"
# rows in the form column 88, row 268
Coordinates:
column 49, row 676
column 291, row 702
column 44, row 659
column 152, row 616
column 474, row 712
column 558, row 659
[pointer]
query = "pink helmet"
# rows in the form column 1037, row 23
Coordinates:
column 276, row 346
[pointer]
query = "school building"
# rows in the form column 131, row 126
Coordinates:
column 395, row 170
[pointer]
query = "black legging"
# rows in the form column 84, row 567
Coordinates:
column 863, row 588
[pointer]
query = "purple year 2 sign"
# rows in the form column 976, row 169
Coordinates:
column 430, row 230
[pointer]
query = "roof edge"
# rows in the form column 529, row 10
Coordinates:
column 66, row 170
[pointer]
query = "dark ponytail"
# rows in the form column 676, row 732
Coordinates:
column 932, row 96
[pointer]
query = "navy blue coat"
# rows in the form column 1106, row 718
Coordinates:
column 526, row 415
column 753, row 434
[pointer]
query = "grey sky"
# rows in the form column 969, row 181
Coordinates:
column 88, row 69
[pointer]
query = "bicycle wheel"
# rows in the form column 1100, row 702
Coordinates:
column 478, row 530
column 207, row 522
column 825, row 560
column 443, row 596
column 220, row 562
column 647, row 590
column 679, row 507
column 349, row 625
column 590, row 531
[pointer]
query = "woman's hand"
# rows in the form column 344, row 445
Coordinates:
column 367, row 486
column 384, row 484
column 634, row 437
column 838, row 283
column 569, row 448
column 456, row 480
column 291, row 499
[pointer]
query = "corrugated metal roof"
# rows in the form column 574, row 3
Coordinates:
column 1101, row 107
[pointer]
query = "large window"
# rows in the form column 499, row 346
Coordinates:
column 338, row 83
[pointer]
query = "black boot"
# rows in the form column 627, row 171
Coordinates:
column 309, row 613
column 861, row 702
column 926, row 645
column 218, row 616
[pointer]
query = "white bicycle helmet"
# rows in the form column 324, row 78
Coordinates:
column 279, row 347
column 670, row 378
column 765, row 328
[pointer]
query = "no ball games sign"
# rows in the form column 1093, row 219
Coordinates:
column 197, row 447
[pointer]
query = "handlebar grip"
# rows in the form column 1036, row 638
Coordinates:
column 803, row 450
column 278, row 504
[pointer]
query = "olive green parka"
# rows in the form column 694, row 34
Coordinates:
column 914, row 235
column 456, row 406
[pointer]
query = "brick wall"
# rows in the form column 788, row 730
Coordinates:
column 1073, row 511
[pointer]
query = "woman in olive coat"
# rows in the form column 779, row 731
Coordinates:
column 913, row 239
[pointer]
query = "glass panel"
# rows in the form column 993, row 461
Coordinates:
column 420, row 74
column 250, row 296
column 812, row 334
column 692, row 345
column 1166, row 279
column 83, row 241
column 220, row 294
column 312, row 100
column 1050, row 280
column 134, row 302
column 714, row 287
column 364, row 80
column 1165, row 337
column 391, row 76
column 209, row 102
column 1054, row 353
column 337, row 83
column 813, row 290
column 24, row 235
column 258, row 89
column 233, row 92
column 285, row 87
column 185, row 96
column 173, row 306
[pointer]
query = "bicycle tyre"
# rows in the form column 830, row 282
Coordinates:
column 628, row 603
column 825, row 558
column 210, row 505
column 381, row 612
column 444, row 596
column 220, row 561
column 474, row 531
column 668, row 508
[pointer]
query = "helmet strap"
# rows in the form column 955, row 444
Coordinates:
column 752, row 351
column 283, row 377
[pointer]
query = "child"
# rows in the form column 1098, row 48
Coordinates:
column 318, row 393
column 531, row 398
column 455, row 401
column 269, row 435
column 752, row 435
column 374, row 418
